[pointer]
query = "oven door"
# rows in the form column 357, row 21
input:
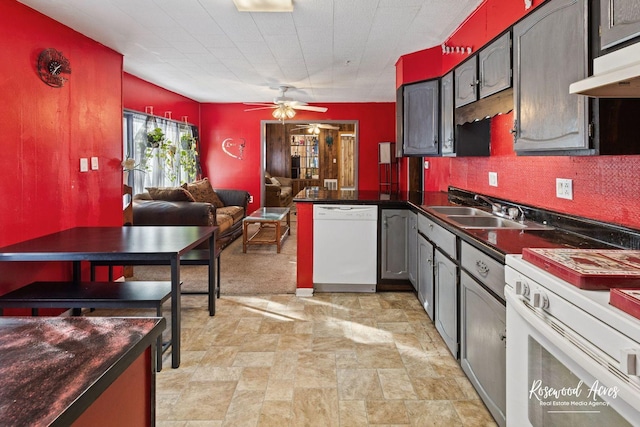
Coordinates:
column 557, row 378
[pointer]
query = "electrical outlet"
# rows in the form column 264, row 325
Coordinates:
column 250, row 199
column 564, row 188
column 426, row 164
column 84, row 165
column 493, row 179
column 94, row 163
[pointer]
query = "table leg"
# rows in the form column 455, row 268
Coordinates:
column 212, row 281
column 244, row 236
column 77, row 278
column 278, row 235
column 175, row 311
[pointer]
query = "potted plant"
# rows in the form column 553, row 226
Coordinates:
column 164, row 150
column 155, row 138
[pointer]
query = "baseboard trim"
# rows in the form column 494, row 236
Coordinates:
column 304, row 292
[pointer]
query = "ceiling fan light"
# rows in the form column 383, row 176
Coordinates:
column 278, row 113
column 290, row 112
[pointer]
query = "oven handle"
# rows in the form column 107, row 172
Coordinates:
column 597, row 363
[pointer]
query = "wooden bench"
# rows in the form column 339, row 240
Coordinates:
column 140, row 294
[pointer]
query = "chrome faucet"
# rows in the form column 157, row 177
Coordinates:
column 496, row 208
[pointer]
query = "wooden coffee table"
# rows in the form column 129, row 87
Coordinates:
column 270, row 230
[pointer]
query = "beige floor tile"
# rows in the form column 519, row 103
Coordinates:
column 387, row 412
column 315, row 407
column 396, row 384
column 330, row 360
column 353, row 413
column 359, row 384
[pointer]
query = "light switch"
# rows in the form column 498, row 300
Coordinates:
column 84, row 165
column 94, row 163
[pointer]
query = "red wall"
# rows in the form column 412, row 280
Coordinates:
column 604, row 187
column 222, row 121
column 137, row 94
column 47, row 130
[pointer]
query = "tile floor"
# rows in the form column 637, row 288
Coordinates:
column 330, row 360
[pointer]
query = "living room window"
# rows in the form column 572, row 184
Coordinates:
column 165, row 152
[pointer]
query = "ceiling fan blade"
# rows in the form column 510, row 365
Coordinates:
column 327, row 126
column 270, row 107
column 261, row 104
column 310, row 108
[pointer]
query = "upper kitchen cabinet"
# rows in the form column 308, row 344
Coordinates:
column 420, row 118
column 447, row 125
column 494, row 62
column 549, row 53
column 619, row 21
column 466, row 82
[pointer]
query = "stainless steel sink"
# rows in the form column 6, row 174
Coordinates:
column 458, row 210
column 466, row 221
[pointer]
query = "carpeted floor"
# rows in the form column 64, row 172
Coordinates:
column 259, row 271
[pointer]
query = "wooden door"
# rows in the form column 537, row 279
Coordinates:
column 346, row 160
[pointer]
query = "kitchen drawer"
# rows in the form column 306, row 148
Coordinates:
column 484, row 268
column 441, row 237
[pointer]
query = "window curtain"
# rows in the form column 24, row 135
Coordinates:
column 168, row 160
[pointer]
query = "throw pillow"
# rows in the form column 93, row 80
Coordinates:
column 170, row 194
column 203, row 192
column 275, row 181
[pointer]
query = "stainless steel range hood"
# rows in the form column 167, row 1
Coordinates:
column 615, row 75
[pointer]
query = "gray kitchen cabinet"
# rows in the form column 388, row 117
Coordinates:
column 447, row 125
column 483, row 349
column 494, row 64
column 619, row 21
column 550, row 53
column 412, row 249
column 425, row 275
column 466, row 82
column 395, row 225
column 446, row 295
column 482, row 327
column 421, row 106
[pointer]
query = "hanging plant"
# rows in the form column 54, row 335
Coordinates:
column 188, row 156
column 162, row 149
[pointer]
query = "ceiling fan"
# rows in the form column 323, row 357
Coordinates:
column 285, row 107
column 315, row 127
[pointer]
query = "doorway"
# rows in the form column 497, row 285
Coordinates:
column 310, row 152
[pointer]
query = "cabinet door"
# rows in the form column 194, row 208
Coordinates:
column 412, row 248
column 446, row 110
column 549, row 53
column 425, row 275
column 483, row 345
column 394, row 233
column 446, row 287
column 421, row 104
column 466, row 82
column 494, row 62
column 619, row 21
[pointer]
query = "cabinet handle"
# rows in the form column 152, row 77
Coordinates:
column 503, row 337
column 482, row 268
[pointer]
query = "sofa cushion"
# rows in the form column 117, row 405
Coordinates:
column 235, row 212
column 203, row 192
column 285, row 192
column 170, row 194
column 224, row 222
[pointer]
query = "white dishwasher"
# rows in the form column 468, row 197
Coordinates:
column 345, row 249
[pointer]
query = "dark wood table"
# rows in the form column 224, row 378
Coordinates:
column 130, row 244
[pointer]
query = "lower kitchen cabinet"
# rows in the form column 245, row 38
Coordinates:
column 412, row 249
column 446, row 294
column 425, row 275
column 394, row 235
column 483, row 344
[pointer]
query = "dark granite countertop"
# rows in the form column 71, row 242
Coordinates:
column 53, row 368
column 495, row 242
